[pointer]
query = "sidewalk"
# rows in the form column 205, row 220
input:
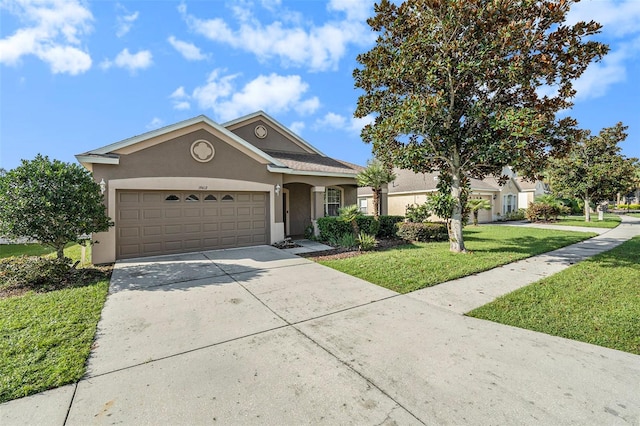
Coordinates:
column 470, row 292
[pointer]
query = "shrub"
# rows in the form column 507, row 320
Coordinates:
column 423, row 232
column 545, row 211
column 347, row 240
column 519, row 214
column 366, row 241
column 330, row 227
column 374, row 227
column 39, row 273
column 388, row 226
column 629, row 206
column 418, row 213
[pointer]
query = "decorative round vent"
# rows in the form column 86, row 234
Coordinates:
column 260, row 131
column 202, row 151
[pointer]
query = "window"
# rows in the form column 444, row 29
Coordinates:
column 172, row 197
column 210, row 197
column 332, row 201
column 227, row 198
column 192, row 197
column 362, row 203
column 509, row 204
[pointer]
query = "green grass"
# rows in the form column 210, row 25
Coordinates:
column 596, row 301
column 610, row 221
column 45, row 338
column 72, row 251
column 634, row 214
column 419, row 265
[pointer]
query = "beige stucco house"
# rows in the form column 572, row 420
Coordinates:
column 199, row 185
column 413, row 188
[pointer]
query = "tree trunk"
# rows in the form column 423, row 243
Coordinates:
column 60, row 252
column 456, row 241
column 587, row 210
column 475, row 218
column 376, row 202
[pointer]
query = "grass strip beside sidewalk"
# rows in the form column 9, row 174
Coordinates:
column 414, row 266
column 596, row 301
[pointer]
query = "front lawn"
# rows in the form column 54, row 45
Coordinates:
column 45, row 338
column 633, row 214
column 412, row 267
column 596, row 301
column 609, row 221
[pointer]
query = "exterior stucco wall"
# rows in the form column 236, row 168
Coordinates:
column 275, row 141
column 398, row 203
column 299, row 207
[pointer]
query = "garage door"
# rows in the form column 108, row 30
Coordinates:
column 150, row 223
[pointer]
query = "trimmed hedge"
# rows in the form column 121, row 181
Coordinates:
column 423, row 232
column 330, row 227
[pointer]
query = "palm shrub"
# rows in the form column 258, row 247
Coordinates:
column 350, row 214
column 477, row 204
column 375, row 175
column 366, row 241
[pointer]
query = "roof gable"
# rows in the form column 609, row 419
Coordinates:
column 279, row 138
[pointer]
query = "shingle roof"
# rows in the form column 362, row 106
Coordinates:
column 407, row 180
column 314, row 163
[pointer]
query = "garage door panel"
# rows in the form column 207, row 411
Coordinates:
column 150, row 214
column 162, row 222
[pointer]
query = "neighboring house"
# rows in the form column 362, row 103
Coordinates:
column 414, row 188
column 198, row 185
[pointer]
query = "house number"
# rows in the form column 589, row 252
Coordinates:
column 203, row 187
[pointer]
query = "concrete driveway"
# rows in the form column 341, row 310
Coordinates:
column 260, row 336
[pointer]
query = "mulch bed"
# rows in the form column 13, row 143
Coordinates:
column 343, row 253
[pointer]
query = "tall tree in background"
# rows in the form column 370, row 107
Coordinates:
column 51, row 202
column 455, row 86
column 375, row 176
column 594, row 170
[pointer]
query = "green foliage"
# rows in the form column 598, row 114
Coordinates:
column 375, row 175
column 418, row 265
column 366, row 241
column 51, row 202
column 546, row 207
column 596, row 301
column 423, row 231
column 453, row 86
column 350, row 214
column 331, row 227
column 594, row 170
column 418, row 213
column 347, row 240
column 388, row 226
column 628, row 206
column 33, row 272
column 477, row 204
column 374, row 226
column 519, row 214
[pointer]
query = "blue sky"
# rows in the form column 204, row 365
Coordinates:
column 78, row 75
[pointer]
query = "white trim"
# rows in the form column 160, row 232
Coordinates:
column 420, row 191
column 94, row 159
column 288, row 171
column 324, row 200
column 105, row 251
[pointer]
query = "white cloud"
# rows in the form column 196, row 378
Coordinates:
column 188, row 50
column 619, row 18
column 316, row 47
column 621, row 30
column 155, row 123
column 130, row 61
column 297, row 127
column 124, row 23
column 356, row 10
column 52, row 33
column 335, row 121
column 273, row 93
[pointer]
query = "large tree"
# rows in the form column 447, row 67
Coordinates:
column 467, row 87
column 50, row 201
column 594, row 170
column 375, row 176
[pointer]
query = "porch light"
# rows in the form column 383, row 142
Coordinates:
column 103, row 186
column 277, row 188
